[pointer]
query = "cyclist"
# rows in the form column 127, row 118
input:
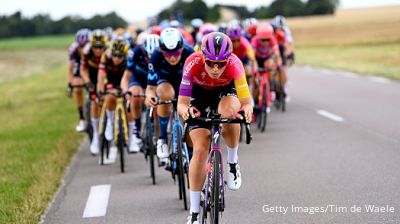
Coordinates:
column 74, row 78
column 243, row 49
column 266, row 50
column 205, row 29
column 112, row 67
column 215, row 79
column 286, row 47
column 165, row 75
column 135, row 82
column 89, row 67
column 196, row 24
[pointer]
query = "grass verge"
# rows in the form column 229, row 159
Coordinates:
column 41, row 42
column 37, row 142
column 374, row 59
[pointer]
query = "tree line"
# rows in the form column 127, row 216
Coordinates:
column 16, row 25
column 198, row 9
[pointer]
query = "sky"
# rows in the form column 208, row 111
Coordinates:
column 133, row 10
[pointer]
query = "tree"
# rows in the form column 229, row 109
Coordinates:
column 286, row 8
column 319, row 7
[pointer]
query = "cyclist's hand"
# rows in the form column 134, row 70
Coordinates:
column 151, row 101
column 69, row 89
column 183, row 110
column 90, row 87
column 248, row 112
column 128, row 95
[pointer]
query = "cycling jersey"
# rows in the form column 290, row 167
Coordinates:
column 195, row 73
column 244, row 51
column 91, row 62
column 114, row 72
column 138, row 64
column 161, row 71
column 75, row 58
column 264, row 51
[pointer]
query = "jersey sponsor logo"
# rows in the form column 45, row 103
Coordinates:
column 185, row 82
column 152, row 76
column 191, row 64
column 203, row 75
column 151, row 67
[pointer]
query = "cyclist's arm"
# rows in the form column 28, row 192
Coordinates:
column 252, row 57
column 84, row 73
column 243, row 92
column 100, row 80
column 70, row 72
column 183, row 106
column 125, row 80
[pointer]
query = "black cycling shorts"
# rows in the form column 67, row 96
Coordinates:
column 206, row 100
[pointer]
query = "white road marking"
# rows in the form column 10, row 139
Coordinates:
column 112, row 156
column 331, row 116
column 97, row 202
column 379, row 79
column 349, row 75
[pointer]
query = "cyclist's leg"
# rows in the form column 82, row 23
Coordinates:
column 77, row 80
column 165, row 91
column 197, row 170
column 111, row 103
column 134, row 118
column 95, row 115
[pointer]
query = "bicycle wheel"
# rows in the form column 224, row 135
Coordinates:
column 150, row 149
column 103, row 141
column 282, row 94
column 215, row 188
column 181, row 174
column 263, row 114
column 89, row 127
column 121, row 142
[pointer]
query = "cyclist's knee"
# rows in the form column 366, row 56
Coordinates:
column 229, row 106
column 165, row 91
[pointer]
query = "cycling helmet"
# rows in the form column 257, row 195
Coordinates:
column 119, row 46
column 97, row 39
column 82, row 36
column 151, row 43
column 156, row 30
column 207, row 28
column 279, row 21
column 252, row 29
column 264, row 31
column 174, row 24
column 216, row 46
column 222, row 28
column 197, row 22
column 235, row 32
column 171, row 40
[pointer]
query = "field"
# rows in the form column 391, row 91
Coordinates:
column 366, row 41
column 37, row 137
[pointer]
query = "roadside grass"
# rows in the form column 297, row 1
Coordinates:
column 37, row 141
column 366, row 41
column 42, row 42
column 22, row 63
column 376, row 59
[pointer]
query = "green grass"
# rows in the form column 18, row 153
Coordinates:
column 61, row 41
column 370, row 59
column 37, row 141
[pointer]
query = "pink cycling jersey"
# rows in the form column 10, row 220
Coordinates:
column 264, row 51
column 244, row 51
column 195, row 73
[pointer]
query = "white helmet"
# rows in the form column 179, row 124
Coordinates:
column 171, row 40
column 197, row 22
column 151, row 43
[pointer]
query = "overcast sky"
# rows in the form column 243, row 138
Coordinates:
column 132, row 10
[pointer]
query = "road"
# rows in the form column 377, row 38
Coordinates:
column 333, row 155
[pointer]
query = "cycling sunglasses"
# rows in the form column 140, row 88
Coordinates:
column 118, row 55
column 98, row 47
column 265, row 40
column 218, row 64
column 169, row 54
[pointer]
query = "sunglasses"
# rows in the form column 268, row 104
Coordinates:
column 169, row 54
column 98, row 47
column 265, row 40
column 218, row 64
column 118, row 56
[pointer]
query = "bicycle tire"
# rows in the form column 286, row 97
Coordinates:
column 215, row 188
column 181, row 178
column 150, row 149
column 103, row 142
column 264, row 115
column 121, row 141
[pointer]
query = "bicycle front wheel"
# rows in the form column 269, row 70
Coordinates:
column 181, row 174
column 215, row 188
column 121, row 142
column 263, row 115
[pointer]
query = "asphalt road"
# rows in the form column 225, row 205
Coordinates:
column 330, row 158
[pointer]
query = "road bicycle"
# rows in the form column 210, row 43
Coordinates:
column 213, row 202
